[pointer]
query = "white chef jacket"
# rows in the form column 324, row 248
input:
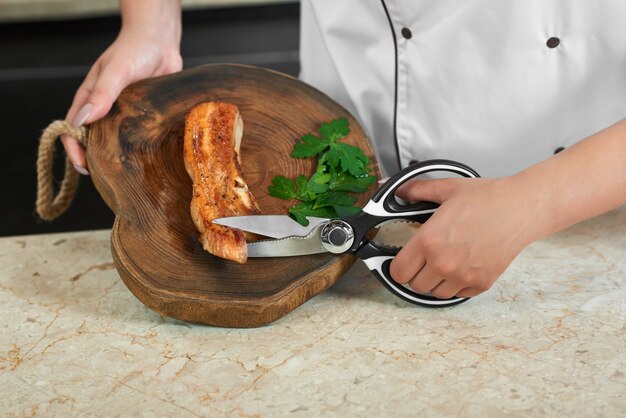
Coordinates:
column 496, row 84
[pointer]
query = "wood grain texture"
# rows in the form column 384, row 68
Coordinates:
column 135, row 158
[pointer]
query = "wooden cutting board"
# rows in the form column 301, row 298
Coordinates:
column 135, row 158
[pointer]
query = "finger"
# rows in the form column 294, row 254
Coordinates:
column 92, row 101
column 110, row 83
column 425, row 281
column 79, row 111
column 425, row 190
column 407, row 263
column 445, row 290
column 96, row 95
column 81, row 96
column 76, row 154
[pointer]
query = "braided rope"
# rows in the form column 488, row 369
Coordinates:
column 48, row 205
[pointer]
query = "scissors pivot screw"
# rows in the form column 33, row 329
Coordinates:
column 337, row 236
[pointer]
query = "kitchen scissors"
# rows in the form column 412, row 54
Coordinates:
column 350, row 234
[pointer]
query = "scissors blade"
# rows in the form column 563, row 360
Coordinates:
column 273, row 226
column 290, row 246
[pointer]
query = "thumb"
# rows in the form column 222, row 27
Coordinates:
column 92, row 101
column 435, row 190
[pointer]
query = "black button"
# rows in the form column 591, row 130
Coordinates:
column 406, row 32
column 553, row 42
column 559, row 149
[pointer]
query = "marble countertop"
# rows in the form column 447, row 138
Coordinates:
column 24, row 10
column 549, row 339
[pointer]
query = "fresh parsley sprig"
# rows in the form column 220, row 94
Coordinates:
column 341, row 169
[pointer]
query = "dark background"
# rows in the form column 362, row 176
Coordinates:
column 43, row 63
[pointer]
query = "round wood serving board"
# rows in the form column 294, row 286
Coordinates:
column 135, row 158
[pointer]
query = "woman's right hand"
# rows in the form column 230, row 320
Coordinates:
column 148, row 45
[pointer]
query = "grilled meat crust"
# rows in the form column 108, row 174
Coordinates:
column 213, row 133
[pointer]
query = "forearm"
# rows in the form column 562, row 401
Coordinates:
column 583, row 181
column 161, row 17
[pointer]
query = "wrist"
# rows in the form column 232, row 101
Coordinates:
column 554, row 201
column 159, row 19
column 531, row 206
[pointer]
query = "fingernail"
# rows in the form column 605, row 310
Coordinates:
column 383, row 181
column 82, row 115
column 82, row 170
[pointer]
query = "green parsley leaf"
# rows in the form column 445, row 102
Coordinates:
column 304, row 209
column 344, row 182
column 282, row 187
column 349, row 158
column 334, row 130
column 318, row 183
column 341, row 168
column 334, row 199
column 343, row 211
column 301, row 188
column 309, row 146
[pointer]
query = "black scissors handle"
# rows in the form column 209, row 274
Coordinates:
column 383, row 207
column 378, row 259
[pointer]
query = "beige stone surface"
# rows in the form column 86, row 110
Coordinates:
column 23, row 10
column 549, row 339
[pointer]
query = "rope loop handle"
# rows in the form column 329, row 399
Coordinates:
column 48, row 205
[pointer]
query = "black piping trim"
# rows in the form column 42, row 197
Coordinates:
column 395, row 96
